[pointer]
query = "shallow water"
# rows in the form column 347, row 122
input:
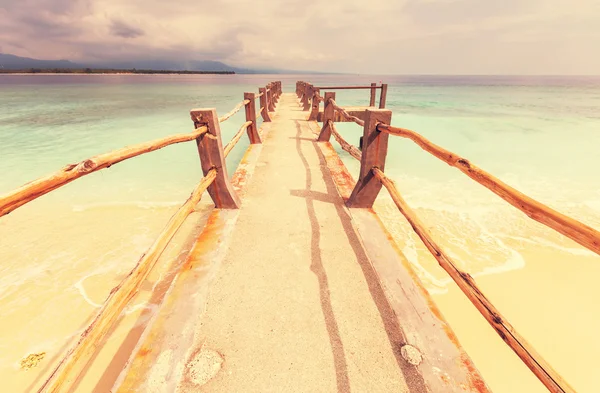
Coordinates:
column 61, row 254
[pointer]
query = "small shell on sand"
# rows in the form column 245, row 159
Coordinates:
column 204, row 366
column 32, row 360
column 411, row 355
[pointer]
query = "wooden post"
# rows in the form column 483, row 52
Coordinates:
column 307, row 95
column 373, row 92
column 383, row 96
column 314, row 113
column 269, row 91
column 302, row 92
column 328, row 114
column 252, row 130
column 274, row 96
column 210, row 149
column 374, row 151
column 263, row 103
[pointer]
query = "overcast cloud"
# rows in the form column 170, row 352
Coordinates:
column 366, row 36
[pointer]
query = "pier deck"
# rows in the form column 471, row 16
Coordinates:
column 301, row 317
column 299, row 301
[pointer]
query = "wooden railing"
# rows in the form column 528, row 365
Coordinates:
column 207, row 135
column 310, row 97
column 376, row 130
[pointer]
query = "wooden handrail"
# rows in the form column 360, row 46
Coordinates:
column 346, row 114
column 78, row 356
column 43, row 185
column 346, row 87
column 546, row 374
column 233, row 111
column 571, row 228
column 351, row 149
column 259, row 95
column 236, row 138
column 262, row 108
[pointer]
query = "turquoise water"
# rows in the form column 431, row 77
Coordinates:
column 539, row 134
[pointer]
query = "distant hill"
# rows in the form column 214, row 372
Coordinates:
column 12, row 62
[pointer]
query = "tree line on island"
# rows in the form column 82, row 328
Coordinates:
column 104, row 71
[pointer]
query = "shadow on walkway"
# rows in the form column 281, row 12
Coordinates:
column 396, row 338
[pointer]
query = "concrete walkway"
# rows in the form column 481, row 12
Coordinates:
column 291, row 309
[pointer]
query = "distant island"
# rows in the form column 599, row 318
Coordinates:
column 11, row 64
column 105, row 71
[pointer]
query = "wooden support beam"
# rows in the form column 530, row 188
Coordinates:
column 210, row 149
column 375, row 145
column 270, row 104
column 383, row 95
column 252, row 129
column 315, row 103
column 373, row 92
column 307, row 96
column 263, row 104
column 328, row 115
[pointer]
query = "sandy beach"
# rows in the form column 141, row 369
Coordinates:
column 72, row 259
column 552, row 302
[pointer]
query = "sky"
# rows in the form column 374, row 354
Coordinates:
column 354, row 36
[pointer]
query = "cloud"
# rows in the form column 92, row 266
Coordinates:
column 378, row 36
column 124, row 30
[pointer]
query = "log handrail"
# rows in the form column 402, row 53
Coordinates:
column 236, row 138
column 43, row 185
column 347, row 87
column 571, row 228
column 78, row 356
column 259, row 95
column 348, row 116
column 233, row 111
column 351, row 149
column 542, row 369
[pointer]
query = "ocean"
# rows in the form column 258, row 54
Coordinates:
column 61, row 254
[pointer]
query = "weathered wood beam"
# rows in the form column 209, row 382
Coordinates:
column 250, row 109
column 353, row 113
column 373, row 92
column 44, row 185
column 263, row 103
column 571, row 228
column 210, row 150
column 375, row 146
column 383, row 96
column 328, row 116
column 236, row 138
column 315, row 103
